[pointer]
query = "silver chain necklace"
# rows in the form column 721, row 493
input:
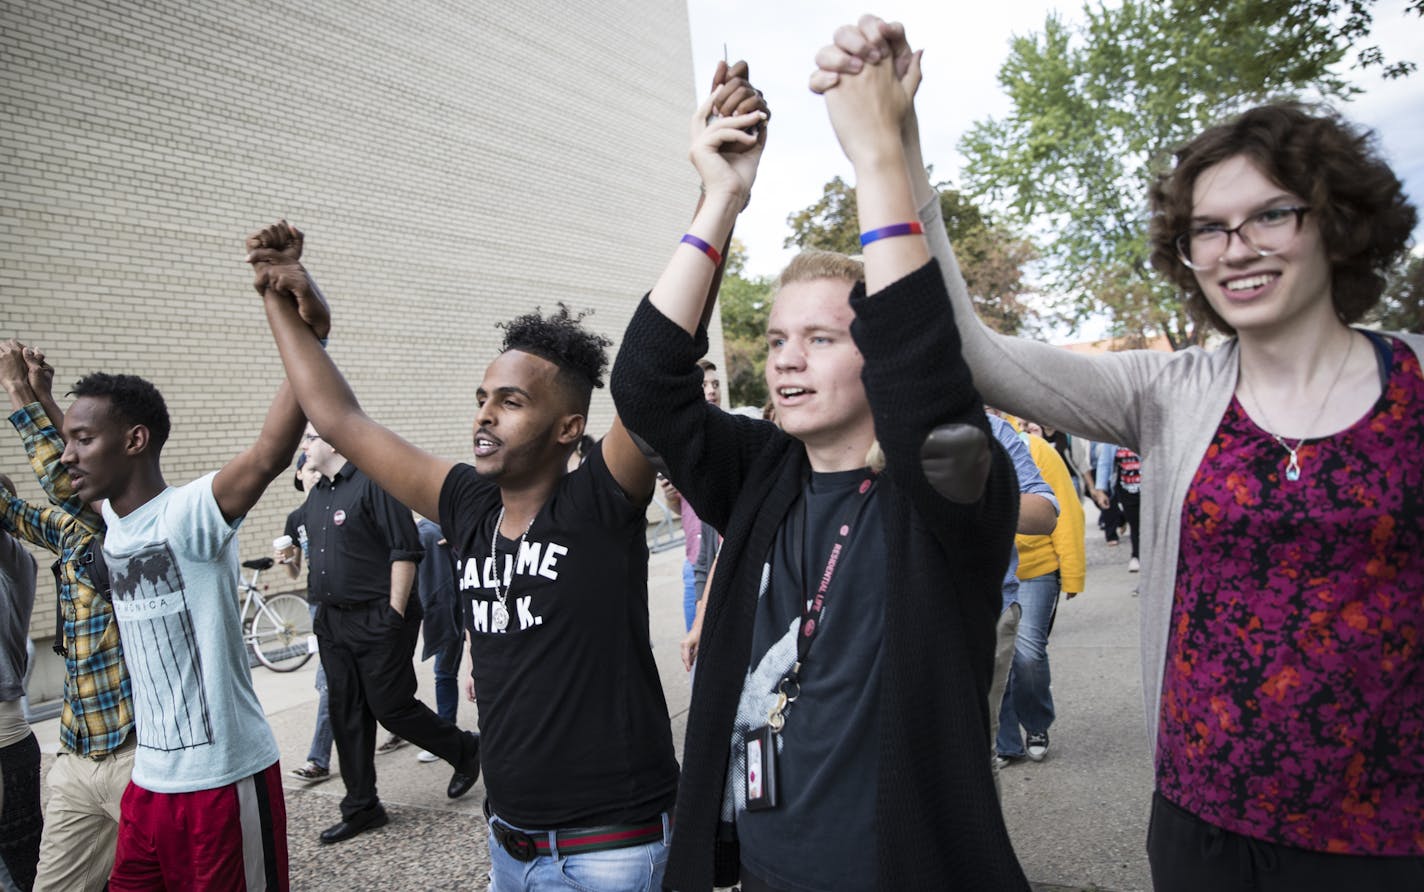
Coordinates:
column 499, row 615
column 1293, row 462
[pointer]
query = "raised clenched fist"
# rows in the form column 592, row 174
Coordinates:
column 275, row 254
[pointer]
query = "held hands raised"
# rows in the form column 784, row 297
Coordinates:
column 41, row 373
column 728, row 133
column 870, row 41
column 853, row 46
column 870, row 109
column 14, row 374
column 733, row 94
column 24, row 368
column 275, row 254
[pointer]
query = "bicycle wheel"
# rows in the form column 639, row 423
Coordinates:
column 279, row 633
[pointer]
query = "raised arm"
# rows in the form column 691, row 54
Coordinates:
column 867, row 111
column 726, row 156
column 39, row 431
column 728, row 135
column 1096, row 395
column 934, row 430
column 14, row 374
column 42, row 383
column 242, row 481
column 291, row 300
column 29, row 379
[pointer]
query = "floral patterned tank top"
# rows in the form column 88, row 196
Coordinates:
column 1293, row 694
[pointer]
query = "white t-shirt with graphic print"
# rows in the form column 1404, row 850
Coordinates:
column 173, row 569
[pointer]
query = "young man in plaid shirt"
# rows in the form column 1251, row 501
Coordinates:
column 96, row 724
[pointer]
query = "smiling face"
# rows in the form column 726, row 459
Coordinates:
column 813, row 368
column 1253, row 294
column 526, row 424
column 99, row 448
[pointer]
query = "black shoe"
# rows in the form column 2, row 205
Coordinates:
column 355, row 825
column 469, row 771
column 1037, row 744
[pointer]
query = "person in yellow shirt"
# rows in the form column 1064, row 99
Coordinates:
column 1047, row 564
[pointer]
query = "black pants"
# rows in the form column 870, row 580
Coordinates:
column 1130, row 504
column 366, row 652
column 21, row 819
column 1189, row 855
column 1109, row 519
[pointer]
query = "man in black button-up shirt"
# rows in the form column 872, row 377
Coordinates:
column 363, row 548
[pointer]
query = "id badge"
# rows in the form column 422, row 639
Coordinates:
column 761, row 768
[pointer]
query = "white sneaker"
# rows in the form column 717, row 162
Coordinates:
column 1133, row 565
column 426, row 756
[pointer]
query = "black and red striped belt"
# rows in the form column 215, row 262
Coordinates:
column 526, row 845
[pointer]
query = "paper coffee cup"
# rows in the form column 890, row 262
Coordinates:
column 281, row 543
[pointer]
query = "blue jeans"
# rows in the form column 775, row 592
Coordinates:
column 689, row 594
column 320, row 752
column 634, row 869
column 1028, row 698
column 447, row 679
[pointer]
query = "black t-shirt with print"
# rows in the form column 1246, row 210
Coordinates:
column 574, row 727
column 821, row 835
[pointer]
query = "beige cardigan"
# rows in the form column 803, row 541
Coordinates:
column 1166, row 407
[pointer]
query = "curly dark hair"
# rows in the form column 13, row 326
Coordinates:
column 131, row 399
column 581, row 355
column 1358, row 203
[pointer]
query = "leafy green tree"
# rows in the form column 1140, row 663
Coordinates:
column 1098, row 106
column 991, row 256
column 745, row 304
column 1402, row 306
column 831, row 224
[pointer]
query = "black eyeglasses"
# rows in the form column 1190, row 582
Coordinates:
column 1265, row 232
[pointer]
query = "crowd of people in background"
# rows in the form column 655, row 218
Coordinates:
column 870, row 579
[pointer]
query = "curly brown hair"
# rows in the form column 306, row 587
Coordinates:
column 1355, row 198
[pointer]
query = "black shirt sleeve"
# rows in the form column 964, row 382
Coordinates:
column 915, row 380
column 395, row 523
column 657, row 387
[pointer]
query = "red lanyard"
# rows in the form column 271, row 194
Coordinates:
column 812, row 606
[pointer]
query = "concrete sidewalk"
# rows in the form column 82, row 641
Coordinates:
column 1078, row 819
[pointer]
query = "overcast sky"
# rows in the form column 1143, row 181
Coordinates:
column 965, row 44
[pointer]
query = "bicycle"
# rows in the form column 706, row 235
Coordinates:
column 278, row 628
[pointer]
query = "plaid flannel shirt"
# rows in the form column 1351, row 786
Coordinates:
column 98, row 701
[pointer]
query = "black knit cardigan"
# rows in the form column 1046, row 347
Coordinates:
column 937, row 819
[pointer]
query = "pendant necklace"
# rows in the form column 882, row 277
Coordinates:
column 499, row 614
column 1293, row 463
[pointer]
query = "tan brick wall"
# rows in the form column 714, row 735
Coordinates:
column 453, row 164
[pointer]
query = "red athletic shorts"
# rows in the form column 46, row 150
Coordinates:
column 228, row 838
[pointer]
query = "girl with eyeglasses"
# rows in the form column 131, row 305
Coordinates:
column 1282, row 602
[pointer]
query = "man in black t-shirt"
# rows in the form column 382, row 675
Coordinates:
column 576, row 744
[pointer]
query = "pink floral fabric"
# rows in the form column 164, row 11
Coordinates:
column 1293, row 695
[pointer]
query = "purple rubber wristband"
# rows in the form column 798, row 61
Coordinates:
column 891, row 231
column 705, row 248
